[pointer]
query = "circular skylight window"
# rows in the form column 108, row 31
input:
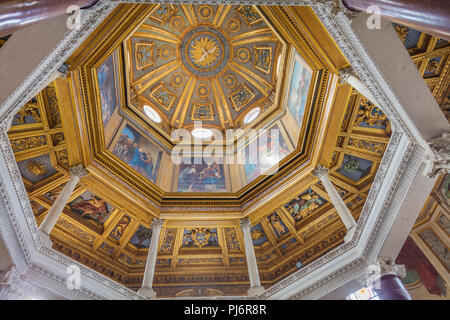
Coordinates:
column 252, row 115
column 201, row 133
column 152, row 114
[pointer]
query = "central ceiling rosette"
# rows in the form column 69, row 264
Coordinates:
column 204, row 51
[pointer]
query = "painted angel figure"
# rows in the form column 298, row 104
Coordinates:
column 211, row 176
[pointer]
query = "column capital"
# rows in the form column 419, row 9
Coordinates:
column 63, row 70
column 388, row 266
column 336, row 6
column 345, row 73
column 245, row 223
column 381, row 267
column 320, row 171
column 78, row 171
column 157, row 223
column 438, row 161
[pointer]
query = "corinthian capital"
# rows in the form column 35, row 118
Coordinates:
column 245, row 223
column 439, row 159
column 345, row 73
column 320, row 171
column 335, row 7
column 388, row 266
column 78, row 171
column 157, row 223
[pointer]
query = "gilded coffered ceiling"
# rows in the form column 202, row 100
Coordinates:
column 106, row 231
column 203, row 63
column 431, row 56
column 202, row 55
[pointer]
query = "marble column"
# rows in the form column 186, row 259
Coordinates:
column 388, row 284
column 335, row 198
column 429, row 16
column 17, row 14
column 76, row 173
column 147, row 283
column 255, row 284
column 347, row 75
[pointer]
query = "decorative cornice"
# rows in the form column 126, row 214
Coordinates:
column 336, row 7
column 345, row 73
column 245, row 223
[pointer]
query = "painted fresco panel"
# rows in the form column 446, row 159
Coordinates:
column 277, row 224
column 419, row 269
column 200, row 237
column 355, row 168
column 207, row 176
column 91, row 207
column 139, row 153
column 299, row 88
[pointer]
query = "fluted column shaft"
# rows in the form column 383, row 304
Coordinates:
column 147, row 282
column 253, row 273
column 335, row 198
column 76, row 173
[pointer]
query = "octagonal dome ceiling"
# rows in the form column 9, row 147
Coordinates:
column 96, row 118
column 216, row 67
column 204, row 63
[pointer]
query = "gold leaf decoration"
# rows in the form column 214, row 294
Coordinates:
column 37, row 168
column 204, row 51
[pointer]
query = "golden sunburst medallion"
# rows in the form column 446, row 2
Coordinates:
column 37, row 168
column 204, row 51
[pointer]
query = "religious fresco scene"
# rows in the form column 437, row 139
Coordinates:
column 176, row 65
column 206, row 176
column 299, row 87
column 139, row 153
column 141, row 239
column 106, row 78
column 263, row 153
column 89, row 206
